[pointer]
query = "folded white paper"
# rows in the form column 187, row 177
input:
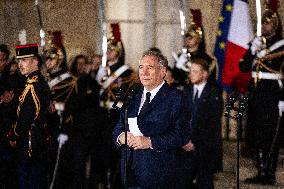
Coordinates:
column 133, row 127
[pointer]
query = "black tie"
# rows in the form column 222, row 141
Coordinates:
column 195, row 96
column 146, row 103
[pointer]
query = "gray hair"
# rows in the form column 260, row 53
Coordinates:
column 161, row 58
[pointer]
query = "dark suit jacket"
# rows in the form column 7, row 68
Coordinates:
column 205, row 131
column 163, row 121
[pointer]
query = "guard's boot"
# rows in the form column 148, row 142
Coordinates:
column 260, row 178
column 271, row 168
column 270, row 179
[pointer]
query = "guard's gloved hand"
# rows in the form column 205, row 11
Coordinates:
column 281, row 107
column 256, row 45
column 182, row 60
column 62, row 138
column 102, row 72
column 262, row 53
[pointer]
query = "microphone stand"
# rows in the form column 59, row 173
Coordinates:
column 125, row 183
column 240, row 112
column 125, row 109
column 126, row 98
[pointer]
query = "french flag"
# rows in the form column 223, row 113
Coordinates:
column 235, row 32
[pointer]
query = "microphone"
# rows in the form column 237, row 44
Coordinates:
column 230, row 104
column 130, row 94
column 125, row 96
column 242, row 106
column 119, row 95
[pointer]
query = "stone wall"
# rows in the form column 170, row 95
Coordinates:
column 76, row 19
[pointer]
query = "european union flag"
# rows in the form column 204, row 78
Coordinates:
column 222, row 35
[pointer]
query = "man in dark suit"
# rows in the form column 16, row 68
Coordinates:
column 202, row 155
column 159, row 114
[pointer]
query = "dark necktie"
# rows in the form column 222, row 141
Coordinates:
column 146, row 102
column 195, row 96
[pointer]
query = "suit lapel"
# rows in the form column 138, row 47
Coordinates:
column 137, row 101
column 190, row 95
column 205, row 93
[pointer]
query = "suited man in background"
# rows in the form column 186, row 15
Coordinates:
column 160, row 116
column 201, row 156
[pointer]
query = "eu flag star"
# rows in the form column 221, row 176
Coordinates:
column 221, row 19
column 228, row 7
column 219, row 33
column 222, row 45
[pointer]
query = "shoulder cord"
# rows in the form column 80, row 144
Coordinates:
column 29, row 87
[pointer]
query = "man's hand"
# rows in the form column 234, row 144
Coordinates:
column 13, row 143
column 62, row 138
column 281, row 107
column 189, row 147
column 121, row 138
column 140, row 142
column 7, row 96
column 51, row 107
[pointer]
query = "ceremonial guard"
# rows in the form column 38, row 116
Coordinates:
column 4, row 68
column 87, row 132
column 31, row 120
column 265, row 59
column 63, row 88
column 194, row 47
column 117, row 75
column 10, row 88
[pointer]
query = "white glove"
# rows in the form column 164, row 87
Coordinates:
column 62, row 138
column 181, row 61
column 102, row 72
column 262, row 53
column 281, row 107
column 256, row 45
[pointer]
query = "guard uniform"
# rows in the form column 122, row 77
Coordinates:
column 63, row 87
column 265, row 91
column 117, row 76
column 29, row 128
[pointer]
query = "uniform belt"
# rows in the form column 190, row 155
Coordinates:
column 267, row 75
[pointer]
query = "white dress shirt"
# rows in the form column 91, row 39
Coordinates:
column 153, row 94
column 198, row 87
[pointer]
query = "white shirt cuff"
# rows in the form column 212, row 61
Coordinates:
column 117, row 140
